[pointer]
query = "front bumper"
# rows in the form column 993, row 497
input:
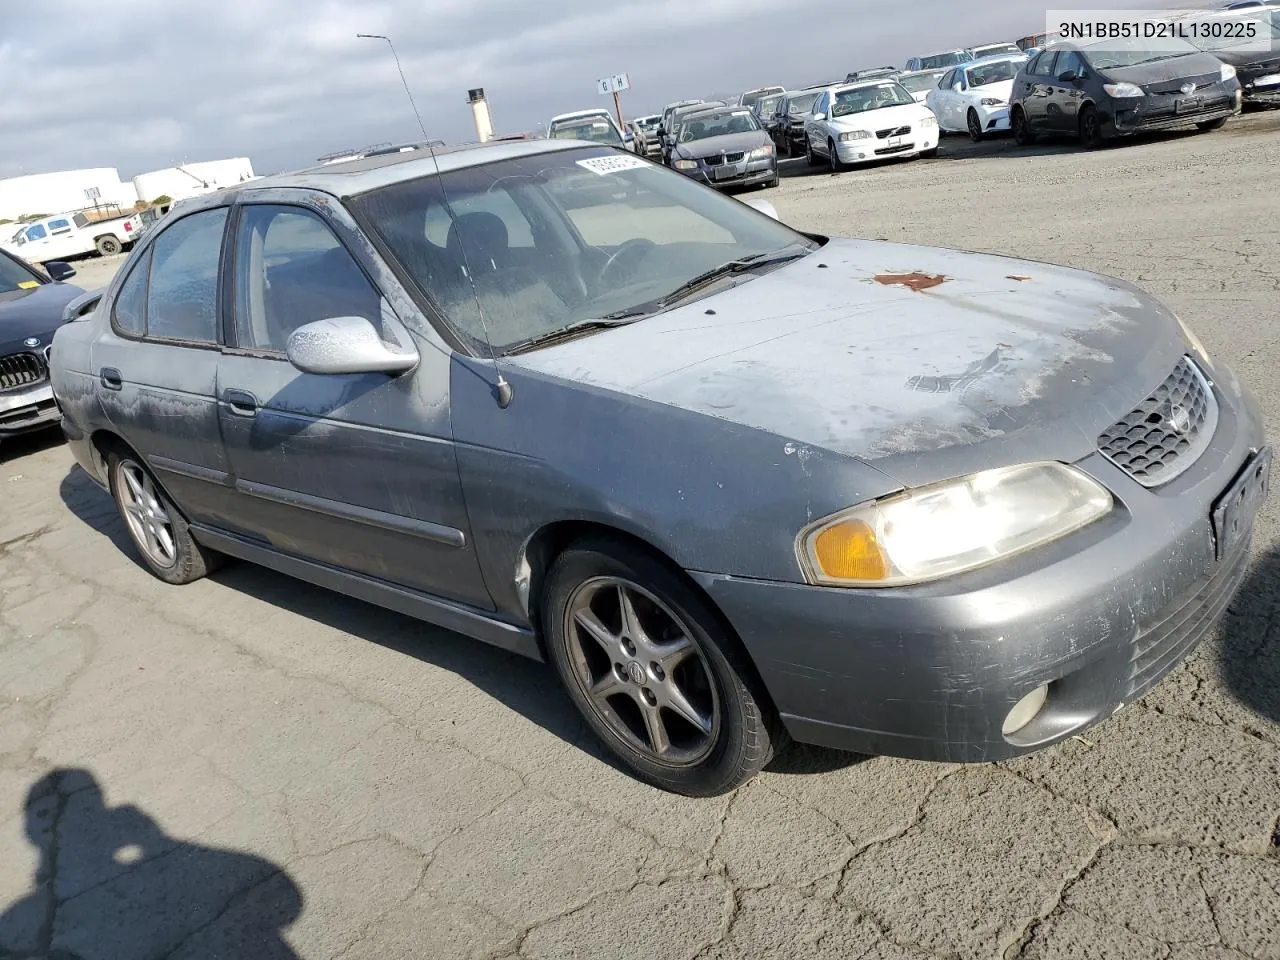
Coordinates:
column 1153, row 113
column 913, row 144
column 27, row 408
column 751, row 173
column 993, row 119
column 931, row 671
column 1264, row 88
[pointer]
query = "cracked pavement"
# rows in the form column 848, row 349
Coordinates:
column 253, row 767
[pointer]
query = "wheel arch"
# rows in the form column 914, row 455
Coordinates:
column 540, row 551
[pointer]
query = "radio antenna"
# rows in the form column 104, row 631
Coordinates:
column 502, row 389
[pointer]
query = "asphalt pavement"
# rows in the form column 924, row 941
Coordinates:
column 251, row 767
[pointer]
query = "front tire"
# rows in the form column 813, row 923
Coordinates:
column 158, row 531
column 654, row 671
column 974, row 126
column 1091, row 137
column 833, row 158
column 108, row 246
column 1022, row 133
column 809, row 154
column 1212, row 125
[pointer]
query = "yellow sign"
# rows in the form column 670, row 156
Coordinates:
column 27, row 284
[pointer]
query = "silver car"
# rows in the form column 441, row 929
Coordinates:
column 734, row 481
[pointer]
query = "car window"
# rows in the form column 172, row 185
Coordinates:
column 36, row 233
column 497, row 202
column 947, row 82
column 1068, row 60
column 996, row 72
column 182, row 292
column 15, row 275
column 292, row 270
column 59, row 226
column 130, row 311
column 1044, row 64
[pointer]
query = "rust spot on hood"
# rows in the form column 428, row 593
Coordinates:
column 1015, row 277
column 914, row 281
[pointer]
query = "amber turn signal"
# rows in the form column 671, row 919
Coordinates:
column 849, row 551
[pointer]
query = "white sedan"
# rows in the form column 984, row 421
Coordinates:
column 974, row 98
column 873, row 120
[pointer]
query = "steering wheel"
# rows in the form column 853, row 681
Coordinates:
column 628, row 251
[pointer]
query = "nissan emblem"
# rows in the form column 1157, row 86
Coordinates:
column 1188, row 87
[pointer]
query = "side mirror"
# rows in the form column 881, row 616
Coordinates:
column 59, row 271
column 764, row 206
column 1069, row 76
column 346, row 345
column 819, row 116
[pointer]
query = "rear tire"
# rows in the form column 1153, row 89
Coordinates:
column 158, row 530
column 1212, row 125
column 616, row 677
column 1091, row 137
column 1022, row 133
column 108, row 246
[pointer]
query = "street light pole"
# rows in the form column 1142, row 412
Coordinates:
column 378, row 36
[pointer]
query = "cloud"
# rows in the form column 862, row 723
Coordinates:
column 143, row 84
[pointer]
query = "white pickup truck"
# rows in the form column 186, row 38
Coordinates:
column 69, row 235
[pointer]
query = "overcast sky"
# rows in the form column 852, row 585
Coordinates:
column 145, row 84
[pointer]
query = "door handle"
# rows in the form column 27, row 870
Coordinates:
column 111, row 378
column 241, row 402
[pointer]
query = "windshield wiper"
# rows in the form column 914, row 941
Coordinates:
column 579, row 327
column 741, row 265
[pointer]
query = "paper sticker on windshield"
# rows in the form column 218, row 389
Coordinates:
column 603, row 166
column 27, row 284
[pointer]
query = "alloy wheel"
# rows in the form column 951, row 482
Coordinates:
column 147, row 518
column 641, row 671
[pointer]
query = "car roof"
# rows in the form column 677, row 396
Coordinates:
column 349, row 178
column 921, row 73
column 579, row 114
column 995, row 58
column 859, row 84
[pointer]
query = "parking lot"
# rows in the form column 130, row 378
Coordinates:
column 252, row 767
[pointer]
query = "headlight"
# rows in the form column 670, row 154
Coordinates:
column 1121, row 90
column 993, row 102
column 685, row 164
column 951, row 527
column 854, row 135
column 1228, row 72
column 1195, row 343
column 759, row 153
column 928, row 121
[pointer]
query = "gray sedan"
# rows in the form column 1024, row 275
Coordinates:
column 734, row 481
column 726, row 147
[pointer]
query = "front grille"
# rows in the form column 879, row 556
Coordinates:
column 893, row 132
column 1161, row 644
column 1163, row 435
column 901, row 148
column 724, row 158
column 21, row 370
column 1169, row 87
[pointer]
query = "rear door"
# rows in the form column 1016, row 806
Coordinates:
column 157, row 362
column 356, row 471
column 942, row 97
column 1037, row 90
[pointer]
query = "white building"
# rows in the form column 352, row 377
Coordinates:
column 46, row 193
column 192, row 179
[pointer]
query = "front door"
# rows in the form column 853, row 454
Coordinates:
column 1037, row 91
column 1068, row 94
column 354, row 470
column 157, row 363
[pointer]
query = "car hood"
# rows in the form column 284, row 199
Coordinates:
column 892, row 352
column 1173, row 68
column 1249, row 61
column 1000, row 90
column 884, row 117
column 33, row 313
column 728, row 143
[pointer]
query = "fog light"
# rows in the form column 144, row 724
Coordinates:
column 1025, row 710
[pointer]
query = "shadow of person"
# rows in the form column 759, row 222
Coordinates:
column 111, row 883
column 1250, row 652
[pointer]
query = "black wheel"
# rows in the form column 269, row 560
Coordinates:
column 1090, row 128
column 809, row 154
column 833, row 159
column 655, row 673
column 769, row 185
column 1022, row 133
column 975, row 126
column 1212, row 124
column 155, row 526
column 108, row 246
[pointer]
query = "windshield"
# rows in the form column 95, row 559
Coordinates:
column 995, row 49
column 593, row 128
column 755, row 96
column 718, row 125
column 15, row 276
column 801, row 105
column 870, row 97
column 996, row 72
column 768, row 106
column 647, row 124
column 945, row 60
column 537, row 243
column 1131, row 53
column 922, row 81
